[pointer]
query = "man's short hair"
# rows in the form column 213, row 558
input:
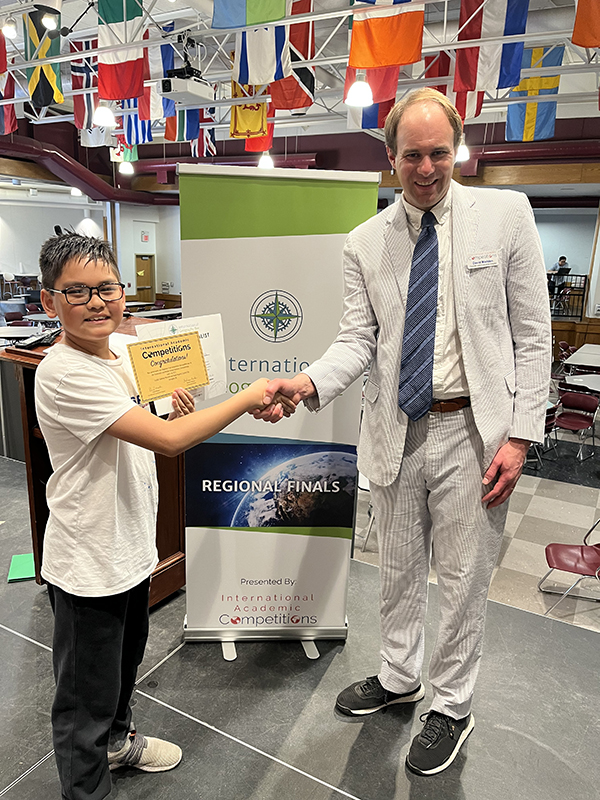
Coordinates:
column 562, row 258
column 426, row 94
column 58, row 250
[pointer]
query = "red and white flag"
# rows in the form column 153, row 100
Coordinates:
column 298, row 89
column 495, row 65
column 468, row 104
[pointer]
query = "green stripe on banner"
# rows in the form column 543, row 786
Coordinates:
column 333, row 533
column 271, row 207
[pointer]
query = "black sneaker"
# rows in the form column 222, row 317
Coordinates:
column 436, row 747
column 368, row 696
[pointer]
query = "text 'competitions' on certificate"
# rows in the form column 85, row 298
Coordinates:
column 162, row 365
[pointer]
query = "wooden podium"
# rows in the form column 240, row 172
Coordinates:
column 169, row 574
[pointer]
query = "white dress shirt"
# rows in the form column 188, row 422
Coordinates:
column 449, row 379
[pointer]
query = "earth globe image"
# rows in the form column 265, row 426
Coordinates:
column 296, row 500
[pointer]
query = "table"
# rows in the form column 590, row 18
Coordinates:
column 18, row 331
column 174, row 313
column 591, row 382
column 136, row 303
column 586, row 356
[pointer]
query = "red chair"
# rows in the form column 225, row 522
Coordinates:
column 22, row 323
column 578, row 413
column 13, row 316
column 159, row 304
column 549, row 441
column 33, row 308
column 578, row 559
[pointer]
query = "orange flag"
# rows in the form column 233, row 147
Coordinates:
column 386, row 36
column 586, row 32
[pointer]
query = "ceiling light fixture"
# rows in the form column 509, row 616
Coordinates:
column 126, row 168
column 266, row 162
column 9, row 29
column 104, row 116
column 462, row 154
column 50, row 21
column 75, row 192
column 360, row 94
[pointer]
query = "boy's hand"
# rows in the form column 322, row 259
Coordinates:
column 256, row 393
column 183, row 404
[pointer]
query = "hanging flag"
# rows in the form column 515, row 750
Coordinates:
column 490, row 66
column 8, row 118
column 84, row 75
column 120, row 73
column 529, row 122
column 298, row 89
column 135, row 130
column 184, row 126
column 259, row 144
column 44, row 82
column 96, row 137
column 160, row 59
column 205, row 145
column 150, row 105
column 383, row 82
column 384, row 37
column 468, row 104
column 586, row 32
column 238, row 13
column 3, row 59
column 370, row 117
column 248, row 119
column 123, row 151
column 262, row 55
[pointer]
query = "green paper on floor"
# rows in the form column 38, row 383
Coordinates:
column 22, row 568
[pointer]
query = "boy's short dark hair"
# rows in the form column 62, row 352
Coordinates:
column 58, row 250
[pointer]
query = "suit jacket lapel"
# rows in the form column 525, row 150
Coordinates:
column 465, row 223
column 399, row 249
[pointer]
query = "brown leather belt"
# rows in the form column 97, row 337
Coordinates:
column 441, row 406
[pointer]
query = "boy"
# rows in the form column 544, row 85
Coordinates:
column 99, row 547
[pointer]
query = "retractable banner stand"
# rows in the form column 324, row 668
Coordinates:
column 269, row 508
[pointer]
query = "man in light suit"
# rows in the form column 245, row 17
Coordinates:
column 453, row 400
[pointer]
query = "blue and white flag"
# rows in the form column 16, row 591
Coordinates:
column 531, row 122
column 136, row 131
column 160, row 60
column 262, row 56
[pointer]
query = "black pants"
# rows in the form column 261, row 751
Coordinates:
column 98, row 645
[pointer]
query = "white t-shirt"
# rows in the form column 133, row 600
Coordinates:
column 103, row 494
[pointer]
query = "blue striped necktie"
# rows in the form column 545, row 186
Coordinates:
column 415, row 389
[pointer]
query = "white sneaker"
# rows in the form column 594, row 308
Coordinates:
column 145, row 753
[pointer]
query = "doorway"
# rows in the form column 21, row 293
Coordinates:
column 144, row 278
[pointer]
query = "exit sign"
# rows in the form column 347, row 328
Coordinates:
column 145, row 236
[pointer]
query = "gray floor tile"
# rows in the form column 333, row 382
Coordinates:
column 544, row 531
column 519, row 502
column 570, row 492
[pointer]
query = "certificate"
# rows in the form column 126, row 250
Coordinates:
column 162, row 365
column 210, row 331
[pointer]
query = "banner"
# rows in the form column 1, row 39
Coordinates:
column 269, row 508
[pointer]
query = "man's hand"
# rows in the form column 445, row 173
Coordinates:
column 294, row 389
column 507, row 467
column 182, row 402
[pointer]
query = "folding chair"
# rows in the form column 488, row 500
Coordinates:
column 578, row 413
column 579, row 559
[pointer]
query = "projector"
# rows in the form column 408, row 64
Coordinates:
column 186, row 90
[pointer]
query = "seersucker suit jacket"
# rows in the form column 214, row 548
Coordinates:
column 502, row 314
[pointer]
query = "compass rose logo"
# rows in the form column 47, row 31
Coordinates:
column 276, row 316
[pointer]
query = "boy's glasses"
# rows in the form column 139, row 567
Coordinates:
column 81, row 295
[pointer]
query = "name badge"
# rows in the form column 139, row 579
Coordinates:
column 483, row 260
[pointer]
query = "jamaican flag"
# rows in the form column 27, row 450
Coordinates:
column 44, row 81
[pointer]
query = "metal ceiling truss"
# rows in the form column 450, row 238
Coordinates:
column 215, row 42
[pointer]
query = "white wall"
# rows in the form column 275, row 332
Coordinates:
column 567, row 231
column 131, row 221
column 26, row 224
column 168, row 249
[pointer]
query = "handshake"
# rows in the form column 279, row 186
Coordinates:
column 279, row 397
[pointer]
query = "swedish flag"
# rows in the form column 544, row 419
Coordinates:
column 44, row 82
column 528, row 122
